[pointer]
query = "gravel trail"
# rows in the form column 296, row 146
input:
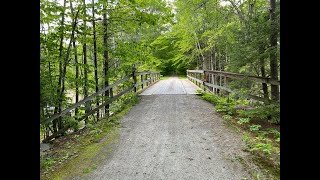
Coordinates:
column 172, row 134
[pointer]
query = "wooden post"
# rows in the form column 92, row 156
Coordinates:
column 204, row 79
column 134, row 77
column 195, row 75
column 154, row 77
column 226, row 86
column 141, row 81
column 111, row 93
column 146, row 79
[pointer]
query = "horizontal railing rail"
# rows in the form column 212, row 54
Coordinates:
column 147, row 77
column 200, row 78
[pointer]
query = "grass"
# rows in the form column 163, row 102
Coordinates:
column 80, row 154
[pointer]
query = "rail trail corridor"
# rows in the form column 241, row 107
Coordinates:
column 173, row 134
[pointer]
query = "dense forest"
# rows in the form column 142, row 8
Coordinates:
column 87, row 45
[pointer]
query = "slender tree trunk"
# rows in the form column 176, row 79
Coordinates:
column 84, row 49
column 77, row 68
column 95, row 57
column 66, row 62
column 220, row 77
column 77, row 75
column 211, row 68
column 57, row 108
column 215, row 68
column 273, row 52
column 105, row 56
column 263, row 73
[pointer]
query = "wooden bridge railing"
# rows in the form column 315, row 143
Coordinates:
column 218, row 80
column 147, row 78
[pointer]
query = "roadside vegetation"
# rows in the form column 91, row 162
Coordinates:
column 80, row 152
column 259, row 124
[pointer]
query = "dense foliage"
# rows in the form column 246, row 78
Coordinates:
column 234, row 35
column 86, row 45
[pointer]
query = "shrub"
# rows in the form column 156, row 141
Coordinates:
column 243, row 121
column 255, row 127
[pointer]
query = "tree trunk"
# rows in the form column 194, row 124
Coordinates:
column 211, row 68
column 215, row 68
column 57, row 108
column 66, row 62
column 77, row 74
column 85, row 86
column 219, row 64
column 77, row 68
column 273, row 50
column 105, row 56
column 95, row 57
column 263, row 73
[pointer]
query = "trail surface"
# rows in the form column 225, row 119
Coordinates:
column 172, row 134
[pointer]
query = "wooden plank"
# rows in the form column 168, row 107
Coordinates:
column 143, row 82
column 65, row 111
column 196, row 71
column 218, row 87
column 141, row 73
column 107, row 102
column 198, row 80
column 242, row 76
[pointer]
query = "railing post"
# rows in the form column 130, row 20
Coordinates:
column 195, row 76
column 134, row 77
column 141, row 81
column 153, row 78
column 226, row 85
column 111, row 92
column 146, row 79
column 204, row 81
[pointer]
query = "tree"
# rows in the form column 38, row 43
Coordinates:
column 273, row 50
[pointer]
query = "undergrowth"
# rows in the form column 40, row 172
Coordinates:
column 76, row 154
column 260, row 124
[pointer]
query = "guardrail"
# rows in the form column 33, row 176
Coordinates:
column 213, row 79
column 147, row 78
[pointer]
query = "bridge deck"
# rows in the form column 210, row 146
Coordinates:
column 170, row 135
column 173, row 85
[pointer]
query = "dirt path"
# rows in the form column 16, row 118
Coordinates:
column 173, row 134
